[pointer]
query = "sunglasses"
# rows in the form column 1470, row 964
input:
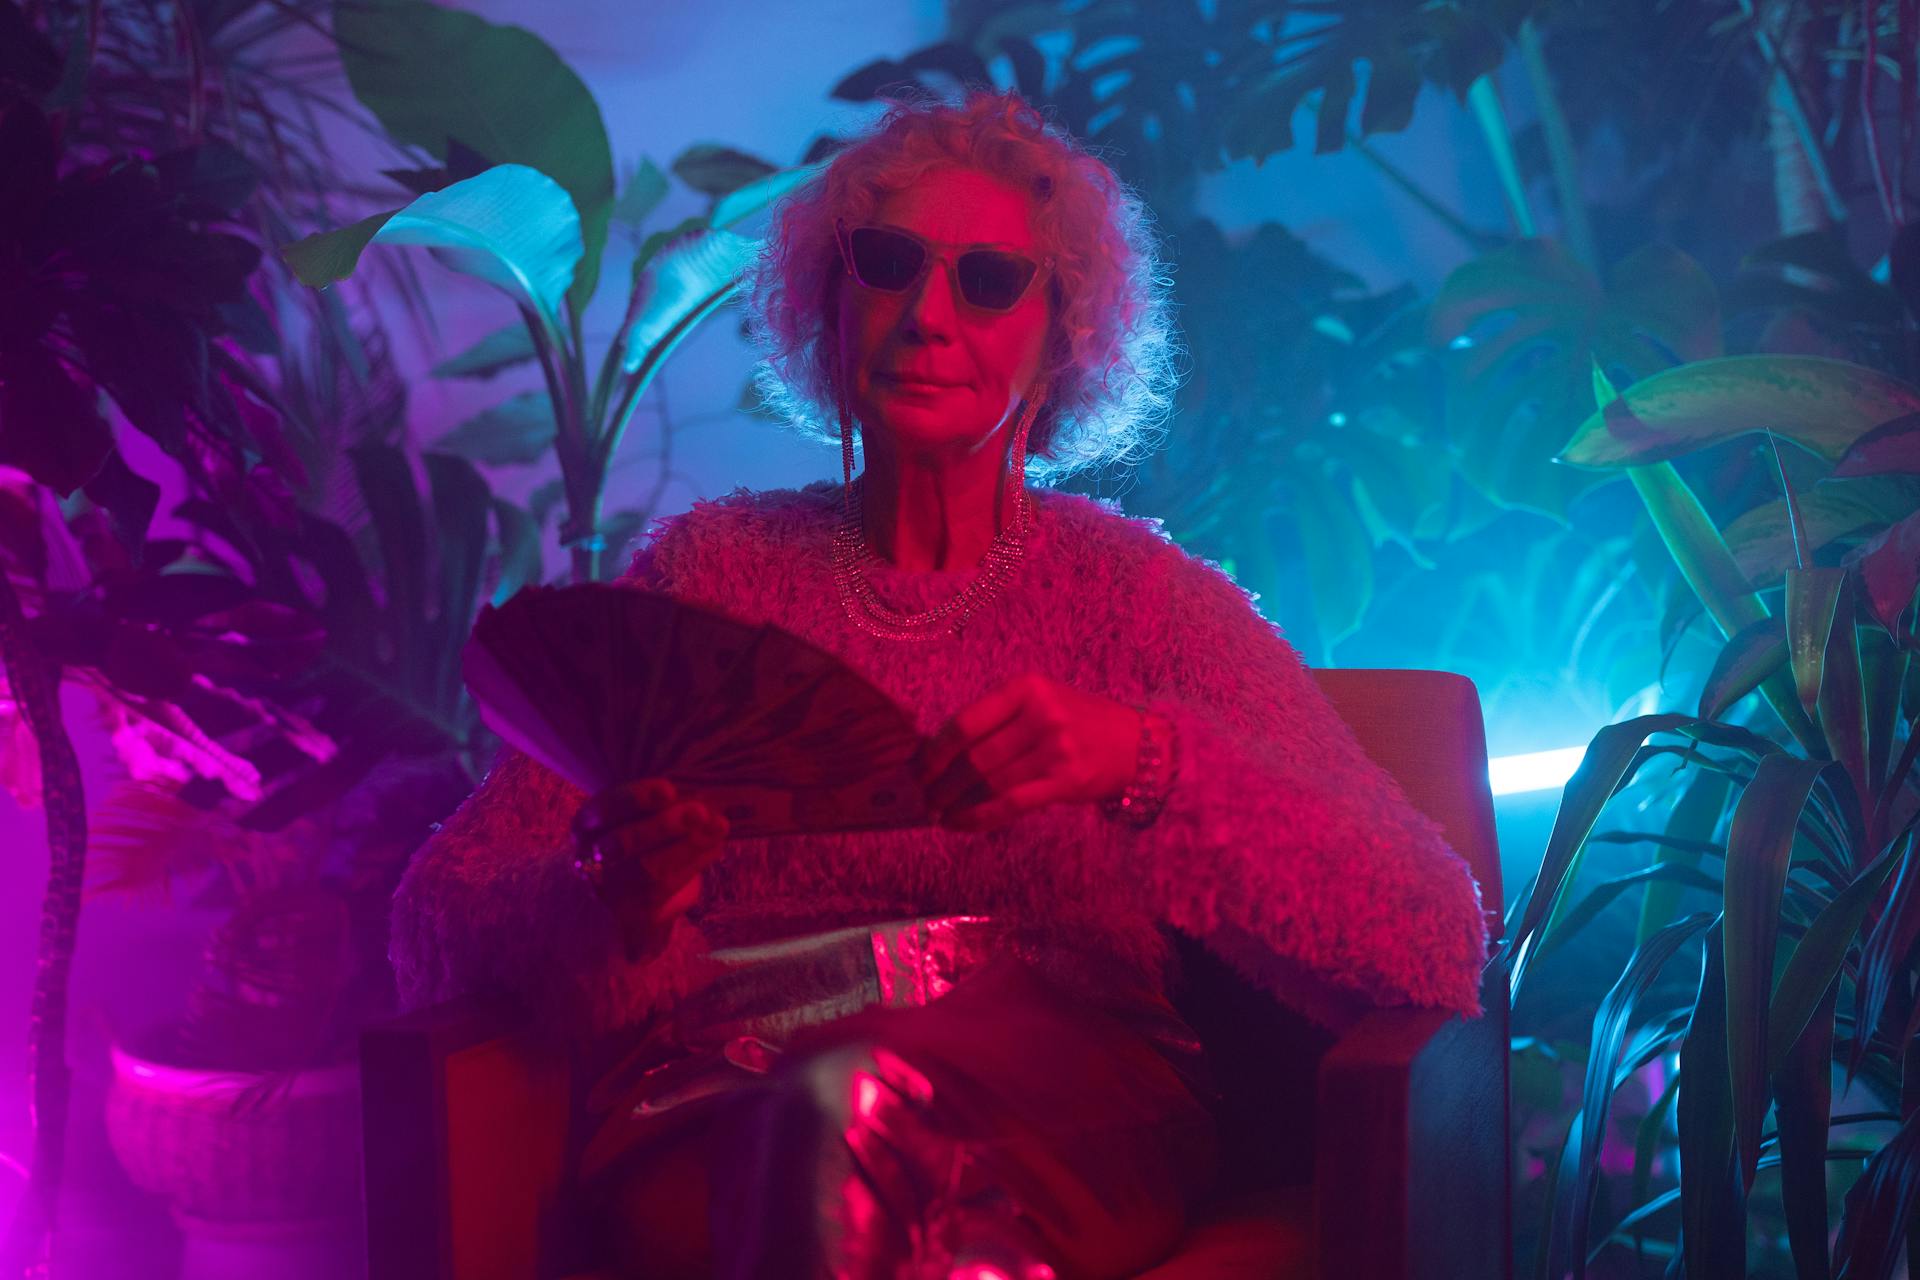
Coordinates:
column 893, row 261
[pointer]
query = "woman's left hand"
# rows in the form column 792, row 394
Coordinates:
column 1030, row 743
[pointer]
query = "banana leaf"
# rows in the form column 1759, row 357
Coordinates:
column 515, row 432
column 511, row 226
column 500, row 350
column 437, row 76
column 680, row 286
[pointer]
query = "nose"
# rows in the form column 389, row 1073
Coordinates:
column 932, row 309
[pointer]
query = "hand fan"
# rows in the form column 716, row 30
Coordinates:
column 607, row 684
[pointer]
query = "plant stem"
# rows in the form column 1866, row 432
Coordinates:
column 1786, row 100
column 1484, row 99
column 1561, row 156
column 1470, row 235
column 35, row 686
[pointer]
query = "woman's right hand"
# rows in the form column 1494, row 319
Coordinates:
column 644, row 847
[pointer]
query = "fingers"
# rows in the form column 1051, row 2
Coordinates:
column 1003, row 808
column 985, row 762
column 974, row 722
column 621, row 805
column 685, row 833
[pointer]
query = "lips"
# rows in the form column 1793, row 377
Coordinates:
column 917, row 380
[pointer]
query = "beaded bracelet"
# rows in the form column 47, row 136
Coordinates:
column 1153, row 773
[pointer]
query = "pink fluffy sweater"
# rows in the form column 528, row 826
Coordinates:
column 1282, row 846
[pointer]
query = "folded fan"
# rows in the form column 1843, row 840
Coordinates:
column 606, row 684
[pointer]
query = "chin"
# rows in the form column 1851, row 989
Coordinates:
column 928, row 425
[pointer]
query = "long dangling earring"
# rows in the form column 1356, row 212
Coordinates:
column 846, row 453
column 1017, row 460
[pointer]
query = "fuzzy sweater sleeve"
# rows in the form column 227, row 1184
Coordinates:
column 1282, row 846
column 491, row 908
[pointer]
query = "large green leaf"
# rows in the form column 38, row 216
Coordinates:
column 511, row 226
column 716, row 170
column 435, row 75
column 1526, row 325
column 515, row 431
column 500, row 350
column 1823, row 405
column 645, row 188
column 1759, row 852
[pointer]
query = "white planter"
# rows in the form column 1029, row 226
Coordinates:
column 262, row 1172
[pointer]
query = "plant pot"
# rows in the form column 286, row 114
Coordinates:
column 262, row 1171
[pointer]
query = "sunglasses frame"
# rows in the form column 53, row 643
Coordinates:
column 844, row 234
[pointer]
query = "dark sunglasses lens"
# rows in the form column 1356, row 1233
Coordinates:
column 993, row 280
column 884, row 260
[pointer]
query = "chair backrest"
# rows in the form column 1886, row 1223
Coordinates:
column 1423, row 728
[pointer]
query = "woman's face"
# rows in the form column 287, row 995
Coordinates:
column 923, row 368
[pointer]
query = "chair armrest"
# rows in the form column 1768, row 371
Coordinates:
column 1411, row 1154
column 466, row 1126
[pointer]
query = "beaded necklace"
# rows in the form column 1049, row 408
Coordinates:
column 852, row 557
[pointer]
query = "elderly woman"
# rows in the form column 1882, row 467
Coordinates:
column 949, row 1050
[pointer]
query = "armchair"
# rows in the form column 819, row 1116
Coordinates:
column 1399, row 1170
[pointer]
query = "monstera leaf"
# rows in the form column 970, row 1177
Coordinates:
column 435, row 76
column 1405, row 44
column 1524, row 328
column 511, row 226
